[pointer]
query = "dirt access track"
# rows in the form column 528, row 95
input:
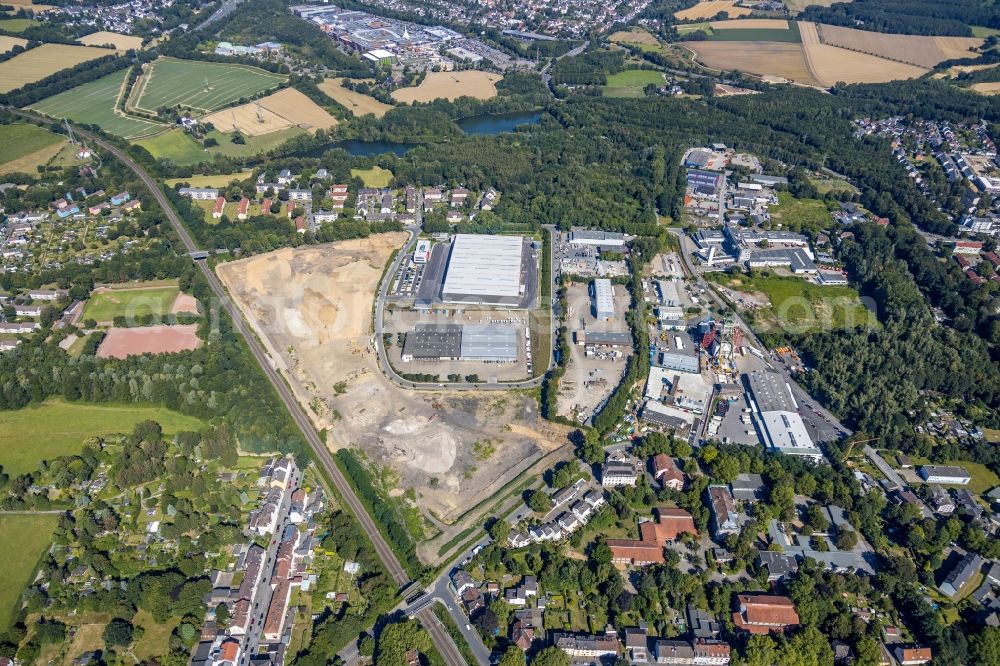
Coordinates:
column 312, row 308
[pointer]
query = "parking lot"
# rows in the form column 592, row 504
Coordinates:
column 589, row 380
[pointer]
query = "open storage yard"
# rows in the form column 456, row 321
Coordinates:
column 451, row 86
column 709, row 9
column 355, row 102
column 94, row 103
column 312, row 307
column 202, row 86
column 45, row 60
column 280, row 110
column 125, row 342
column 919, row 50
column 118, row 40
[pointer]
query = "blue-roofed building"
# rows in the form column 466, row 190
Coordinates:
column 120, row 198
column 63, row 213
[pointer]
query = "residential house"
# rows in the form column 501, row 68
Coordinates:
column 522, row 634
column 912, row 655
column 199, row 193
column 724, row 516
column 765, row 613
column 285, row 177
column 242, row 209
column 220, row 205
column 461, row 581
column 960, row 575
column 228, row 653
column 300, row 195
column 748, row 487
column 665, row 471
column 637, row 645
column 120, row 198
column 941, row 501
column 778, row 565
column 459, row 195
column 577, row 645
column 619, row 473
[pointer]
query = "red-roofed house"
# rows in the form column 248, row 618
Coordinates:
column 765, row 613
column 266, row 206
column 968, row 247
column 241, row 212
column 665, row 471
column 911, row 655
column 229, row 653
column 300, row 224
column 670, row 524
column 220, row 204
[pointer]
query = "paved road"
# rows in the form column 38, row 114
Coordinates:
column 836, row 428
column 402, row 382
column 223, row 10
column 547, row 78
column 319, row 449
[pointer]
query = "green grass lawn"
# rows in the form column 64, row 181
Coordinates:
column 178, row 146
column 373, row 177
column 801, row 306
column 201, row 85
column 982, row 31
column 209, row 180
column 824, row 185
column 631, row 82
column 17, row 24
column 801, row 214
column 32, row 535
column 21, row 139
column 132, row 302
column 94, row 104
column 57, row 428
column 758, row 34
column 704, row 26
column 155, row 641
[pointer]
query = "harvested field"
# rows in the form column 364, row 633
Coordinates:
column 280, row 110
column 184, row 303
column 796, row 6
column 28, row 4
column 776, row 59
column 830, row 64
column 709, row 9
column 125, row 342
column 118, row 40
column 986, row 88
column 19, row 140
column 919, row 50
column 209, row 180
column 7, row 43
column 356, row 103
column 451, row 86
column 45, row 60
column 751, row 24
column 312, row 307
column 203, row 86
column 633, row 36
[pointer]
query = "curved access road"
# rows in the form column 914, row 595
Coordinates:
column 444, row 644
column 400, row 381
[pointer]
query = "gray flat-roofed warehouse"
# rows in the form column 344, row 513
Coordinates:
column 484, row 269
column 771, row 392
column 592, row 237
column 604, row 299
column 489, row 343
column 603, row 338
column 433, row 342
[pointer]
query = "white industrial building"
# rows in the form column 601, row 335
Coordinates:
column 947, row 474
column 484, row 269
column 604, row 299
column 489, row 343
column 778, row 417
column 593, row 237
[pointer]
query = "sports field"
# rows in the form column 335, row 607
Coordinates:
column 27, row 538
column 451, row 86
column 37, row 63
column 118, row 40
column 135, row 301
column 202, row 86
column 919, row 50
column 125, row 342
column 709, row 9
column 178, row 146
column 630, row 83
column 21, row 140
column 357, row 103
column 94, row 104
column 376, row 176
column 56, row 428
column 7, row 43
column 286, row 108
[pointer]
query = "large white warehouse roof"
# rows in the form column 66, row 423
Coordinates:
column 484, row 269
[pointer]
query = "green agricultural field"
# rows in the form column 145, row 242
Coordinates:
column 210, row 180
column 982, row 31
column 178, row 146
column 758, row 34
column 22, row 139
column 136, row 301
column 373, row 177
column 685, row 28
column 203, row 86
column 800, row 215
column 800, row 306
column 94, row 104
column 32, row 535
column 631, row 82
column 57, row 428
column 17, row 24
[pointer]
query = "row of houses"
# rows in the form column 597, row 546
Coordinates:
column 573, row 518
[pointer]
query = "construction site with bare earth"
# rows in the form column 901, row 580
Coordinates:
column 439, row 452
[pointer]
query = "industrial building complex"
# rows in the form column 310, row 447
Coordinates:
column 486, row 270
